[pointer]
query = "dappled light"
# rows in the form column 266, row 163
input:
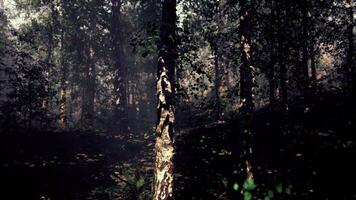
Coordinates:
column 183, row 100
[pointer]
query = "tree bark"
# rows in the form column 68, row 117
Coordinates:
column 90, row 76
column 305, row 80
column 282, row 52
column 164, row 149
column 350, row 63
column 120, row 69
column 313, row 83
column 246, row 89
column 89, row 89
column 272, row 62
column 30, row 109
column 217, row 84
column 63, row 87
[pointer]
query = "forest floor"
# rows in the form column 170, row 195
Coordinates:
column 72, row 165
column 306, row 155
column 309, row 156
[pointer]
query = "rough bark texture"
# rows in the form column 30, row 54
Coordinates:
column 246, row 88
column 163, row 186
column 63, row 88
column 164, row 149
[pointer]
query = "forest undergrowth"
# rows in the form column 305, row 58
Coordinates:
column 309, row 155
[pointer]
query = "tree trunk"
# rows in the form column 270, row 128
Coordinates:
column 49, row 60
column 350, row 63
column 29, row 120
column 89, row 89
column 120, row 69
column 272, row 84
column 313, row 83
column 63, row 87
column 217, row 84
column 164, row 149
column 246, row 89
column 282, row 52
column 90, row 76
column 272, row 62
column 50, row 33
column 312, row 63
column 305, row 55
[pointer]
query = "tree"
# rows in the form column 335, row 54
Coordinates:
column 350, row 60
column 163, row 183
column 120, row 68
column 246, row 88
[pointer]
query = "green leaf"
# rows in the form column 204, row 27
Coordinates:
column 279, row 188
column 249, row 184
column 266, row 198
column 247, row 196
column 235, row 186
column 140, row 183
column 270, row 194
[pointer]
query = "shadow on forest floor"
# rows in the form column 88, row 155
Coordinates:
column 68, row 165
column 310, row 156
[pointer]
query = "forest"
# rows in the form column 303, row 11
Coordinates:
column 177, row 99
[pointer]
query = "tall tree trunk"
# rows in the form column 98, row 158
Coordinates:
column 350, row 63
column 282, row 53
column 120, row 69
column 214, row 44
column 305, row 55
column 272, row 62
column 164, row 149
column 313, row 83
column 50, row 33
column 89, row 89
column 48, row 59
column 90, row 76
column 272, row 84
column 246, row 89
column 217, row 84
column 29, row 120
column 63, row 86
column 312, row 63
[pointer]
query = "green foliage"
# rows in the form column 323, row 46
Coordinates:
column 136, row 184
column 235, row 186
column 279, row 188
column 249, row 185
column 140, row 182
column 247, row 195
column 270, row 194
